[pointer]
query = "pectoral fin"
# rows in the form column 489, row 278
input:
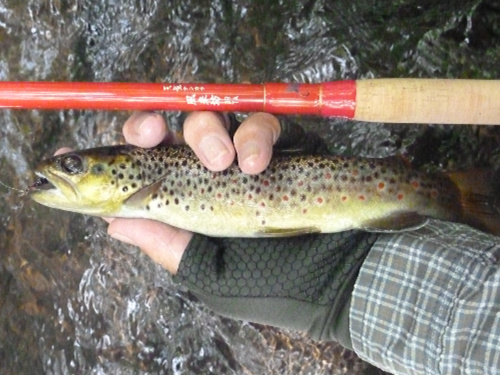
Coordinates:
column 397, row 222
column 286, row 232
column 142, row 197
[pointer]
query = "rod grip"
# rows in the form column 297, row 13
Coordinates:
column 437, row 101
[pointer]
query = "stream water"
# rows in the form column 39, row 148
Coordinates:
column 73, row 301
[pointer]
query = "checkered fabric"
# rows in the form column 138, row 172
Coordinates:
column 428, row 302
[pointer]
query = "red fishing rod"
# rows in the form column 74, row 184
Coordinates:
column 375, row 100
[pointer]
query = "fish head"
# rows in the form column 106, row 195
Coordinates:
column 94, row 182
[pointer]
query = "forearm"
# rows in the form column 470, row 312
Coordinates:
column 428, row 301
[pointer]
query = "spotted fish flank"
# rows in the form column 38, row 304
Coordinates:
column 294, row 195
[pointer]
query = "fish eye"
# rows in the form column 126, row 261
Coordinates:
column 72, row 164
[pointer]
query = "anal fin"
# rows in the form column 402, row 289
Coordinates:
column 397, row 222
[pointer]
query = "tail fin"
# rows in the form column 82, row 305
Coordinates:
column 480, row 198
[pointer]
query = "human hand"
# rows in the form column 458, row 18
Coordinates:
column 206, row 133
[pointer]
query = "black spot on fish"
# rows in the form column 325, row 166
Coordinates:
column 120, row 176
column 125, row 189
column 113, row 171
column 176, row 200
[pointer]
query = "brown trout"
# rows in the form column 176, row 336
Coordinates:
column 294, row 195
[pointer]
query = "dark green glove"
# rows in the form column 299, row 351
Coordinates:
column 302, row 283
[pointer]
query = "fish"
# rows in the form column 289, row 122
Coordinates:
column 296, row 194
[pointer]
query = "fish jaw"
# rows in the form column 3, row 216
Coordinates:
column 55, row 190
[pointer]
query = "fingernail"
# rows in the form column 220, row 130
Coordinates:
column 213, row 148
column 121, row 237
column 249, row 153
column 144, row 120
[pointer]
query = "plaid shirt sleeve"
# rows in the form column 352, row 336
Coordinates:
column 428, row 302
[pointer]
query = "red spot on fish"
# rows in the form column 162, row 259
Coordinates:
column 265, row 182
column 400, row 196
column 249, row 196
column 434, row 193
column 304, row 211
column 262, row 204
column 344, row 198
column 300, row 183
column 381, row 185
column 361, row 197
column 328, row 175
column 285, row 198
column 415, row 184
column 319, row 200
column 355, row 172
column 202, row 191
column 219, row 195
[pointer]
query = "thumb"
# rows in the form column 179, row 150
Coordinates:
column 161, row 242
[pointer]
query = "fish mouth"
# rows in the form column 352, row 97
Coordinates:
column 50, row 187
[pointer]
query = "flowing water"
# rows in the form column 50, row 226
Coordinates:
column 73, row 301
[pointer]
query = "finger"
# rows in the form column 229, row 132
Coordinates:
column 206, row 133
column 254, row 141
column 161, row 242
column 145, row 129
column 63, row 150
